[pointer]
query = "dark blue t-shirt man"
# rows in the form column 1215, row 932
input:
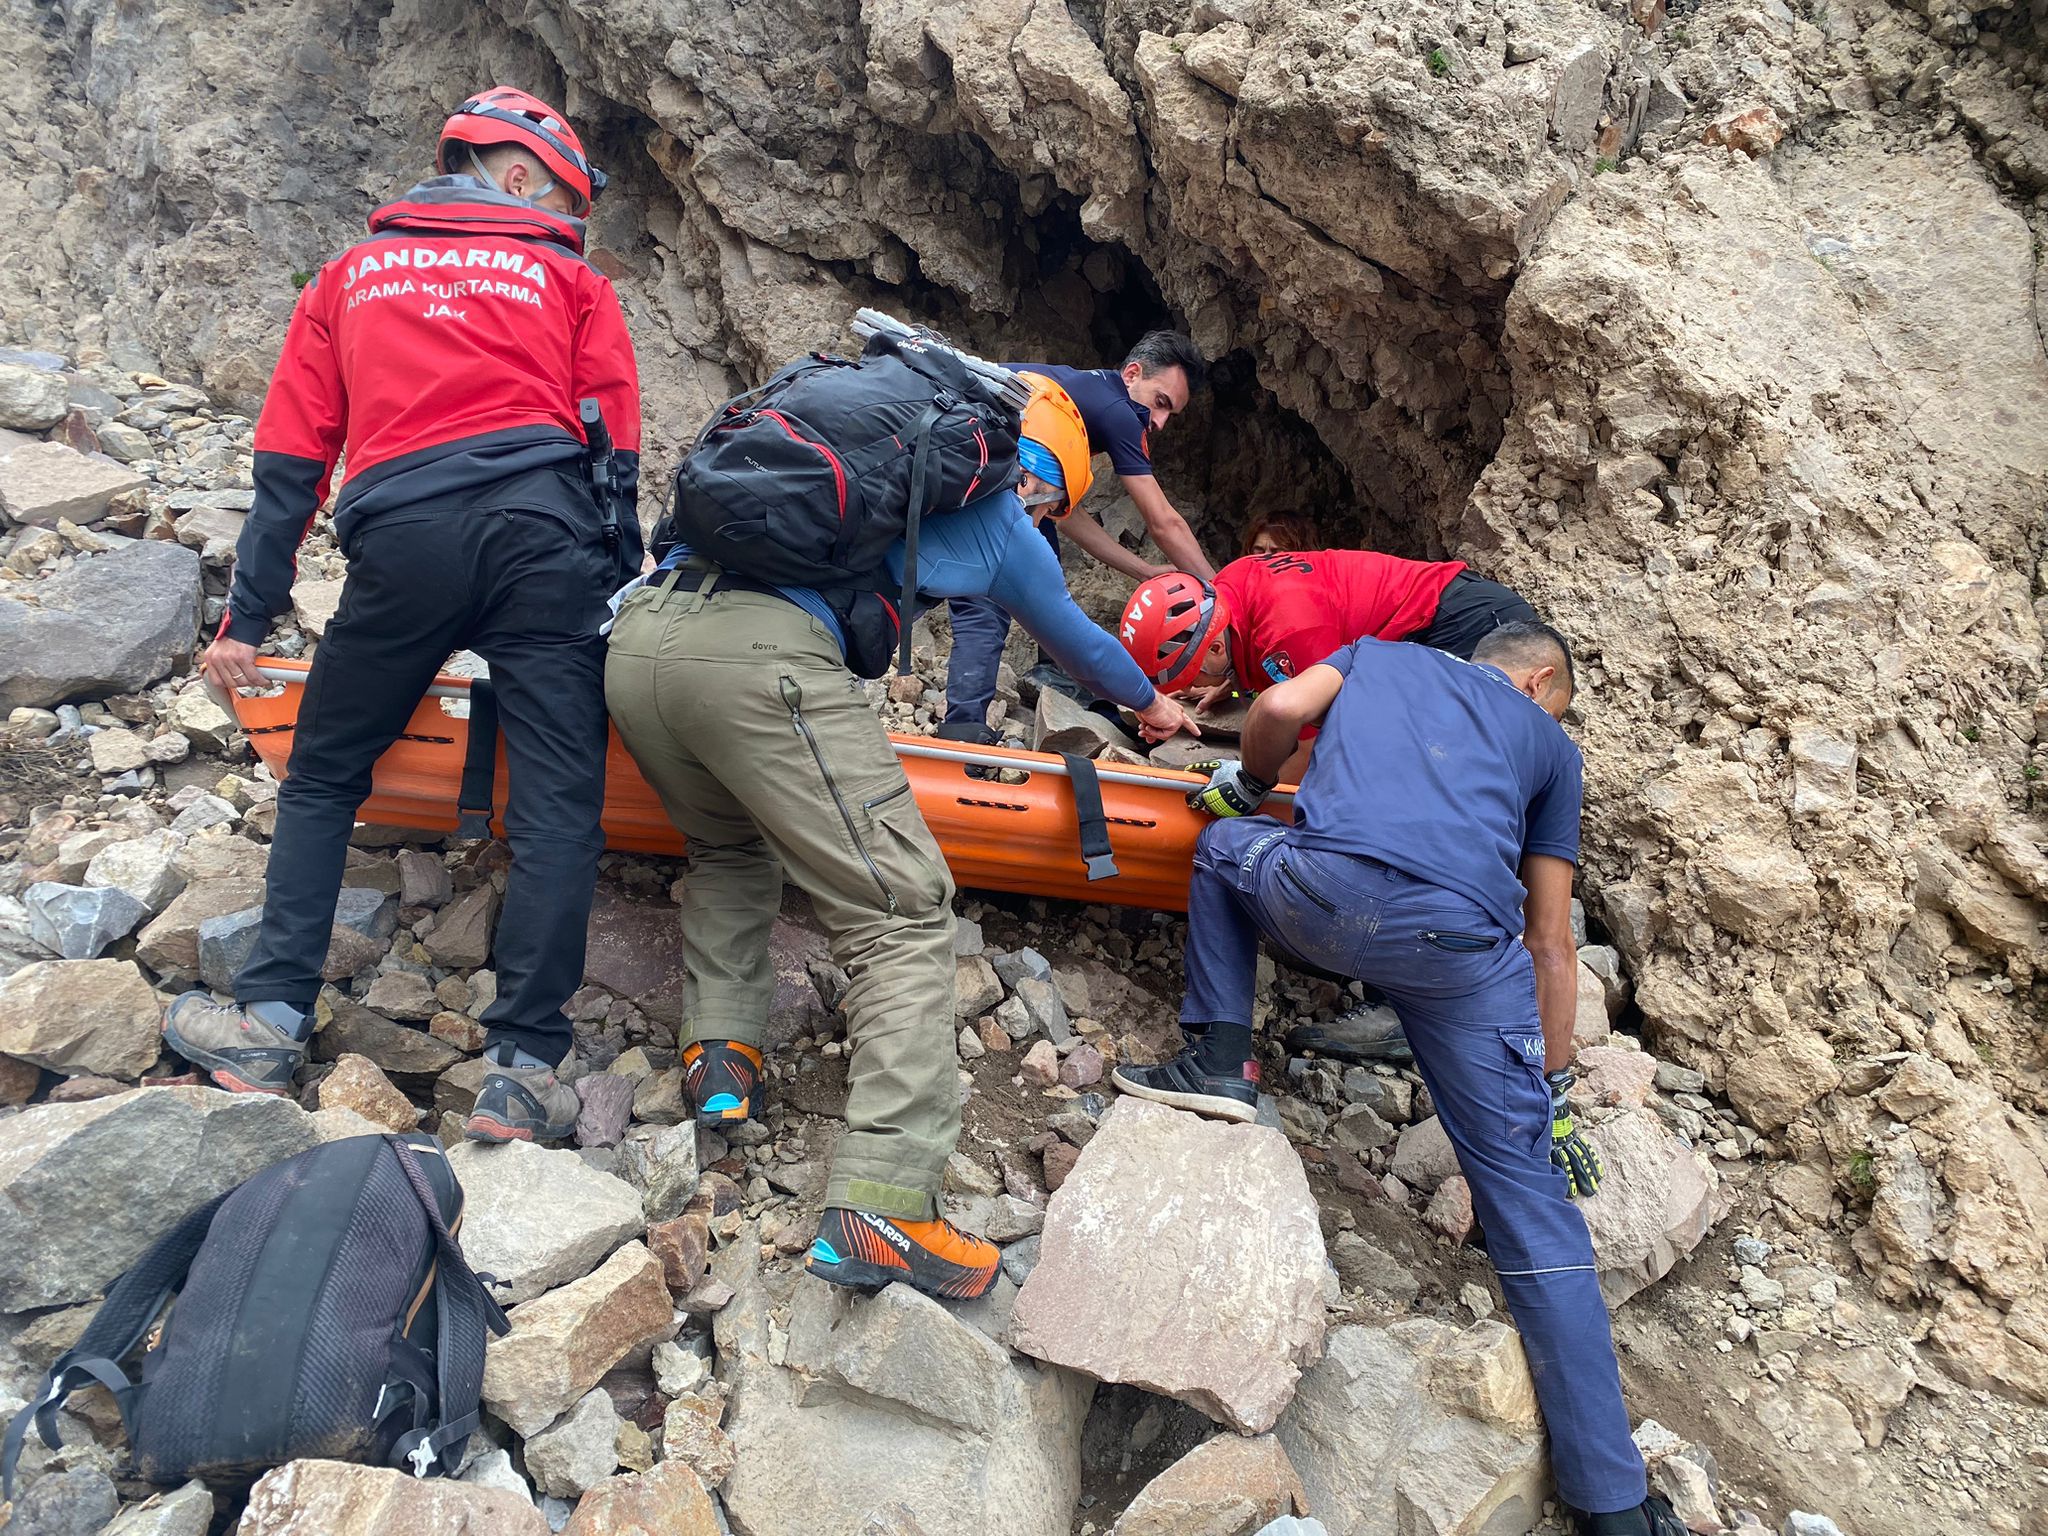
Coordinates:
column 1431, row 857
column 1445, row 770
column 1121, row 407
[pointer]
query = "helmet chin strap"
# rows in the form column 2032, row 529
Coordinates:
column 477, row 167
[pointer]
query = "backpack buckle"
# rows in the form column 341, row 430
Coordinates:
column 422, row 1458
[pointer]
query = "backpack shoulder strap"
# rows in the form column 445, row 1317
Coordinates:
column 920, row 469
column 466, row 1312
column 119, row 1325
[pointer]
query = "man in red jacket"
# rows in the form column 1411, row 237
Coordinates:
column 446, row 355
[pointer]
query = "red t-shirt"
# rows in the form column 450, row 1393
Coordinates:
column 1289, row 611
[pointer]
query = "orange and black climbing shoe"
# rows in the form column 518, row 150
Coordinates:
column 720, row 1077
column 866, row 1252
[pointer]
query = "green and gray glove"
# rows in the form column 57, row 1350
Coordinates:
column 1230, row 792
column 1569, row 1150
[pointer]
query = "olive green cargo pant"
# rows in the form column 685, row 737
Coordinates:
column 759, row 742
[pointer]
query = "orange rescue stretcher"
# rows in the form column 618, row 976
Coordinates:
column 1025, row 838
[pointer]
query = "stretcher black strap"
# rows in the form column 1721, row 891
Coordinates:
column 1088, row 812
column 920, row 469
column 480, row 763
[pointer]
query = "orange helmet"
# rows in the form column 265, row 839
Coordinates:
column 1053, row 427
column 503, row 115
column 1168, row 626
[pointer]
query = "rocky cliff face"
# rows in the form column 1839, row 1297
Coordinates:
column 1716, row 332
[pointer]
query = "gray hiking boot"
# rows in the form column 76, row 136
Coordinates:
column 1370, row 1032
column 523, row 1104
column 241, row 1052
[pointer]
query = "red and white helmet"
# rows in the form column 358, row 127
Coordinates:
column 1168, row 626
column 503, row 115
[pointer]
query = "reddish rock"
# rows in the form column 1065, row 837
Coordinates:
column 357, row 1084
column 1610, row 1075
column 632, row 953
column 1221, row 1488
column 458, row 1030
column 561, row 1344
column 1041, row 1066
column 1450, row 1209
column 1755, row 132
column 1082, row 1067
column 607, row 1109
column 684, row 1247
column 668, row 1499
column 1059, row 1159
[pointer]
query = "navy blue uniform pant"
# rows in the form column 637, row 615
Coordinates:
column 525, row 590
column 1466, row 994
column 980, row 631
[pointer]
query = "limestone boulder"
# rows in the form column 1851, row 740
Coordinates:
column 1420, row 1429
column 145, row 867
column 46, row 481
column 535, row 1218
column 31, row 399
column 578, row 1451
column 1061, row 725
column 78, row 922
column 1226, row 1327
column 114, row 623
column 1424, row 1157
column 869, row 1403
column 1656, row 1201
column 409, row 1054
column 1774, row 1084
column 666, row 1499
column 356, row 1084
column 562, row 1343
column 85, row 1188
column 169, row 943
column 336, row 1498
column 81, row 1017
column 1229, row 1486
column 460, row 935
column 186, row 1511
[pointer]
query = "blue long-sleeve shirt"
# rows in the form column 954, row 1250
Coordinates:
column 989, row 548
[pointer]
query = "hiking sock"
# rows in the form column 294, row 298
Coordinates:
column 1223, row 1049
column 506, row 1054
column 296, row 1022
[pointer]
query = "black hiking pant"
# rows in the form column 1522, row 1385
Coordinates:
column 525, row 590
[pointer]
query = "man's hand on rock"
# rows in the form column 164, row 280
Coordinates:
column 1163, row 718
column 232, row 664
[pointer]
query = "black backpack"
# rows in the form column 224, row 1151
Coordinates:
column 809, row 479
column 376, row 1353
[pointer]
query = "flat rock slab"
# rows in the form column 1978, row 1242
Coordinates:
column 46, row 481
column 334, row 1498
column 1224, row 1306
column 886, row 1403
column 1223, row 1487
column 81, row 1017
column 85, row 1188
column 561, row 1344
column 1420, row 1429
column 114, row 623
column 534, row 1218
column 1655, row 1205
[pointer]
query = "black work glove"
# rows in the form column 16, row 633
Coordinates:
column 1568, row 1149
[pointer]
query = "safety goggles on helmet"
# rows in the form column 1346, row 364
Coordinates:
column 1037, row 460
column 503, row 115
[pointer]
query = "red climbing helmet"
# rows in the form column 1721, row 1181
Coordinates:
column 1168, row 626
column 503, row 115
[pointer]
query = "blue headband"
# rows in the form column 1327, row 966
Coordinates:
column 1037, row 459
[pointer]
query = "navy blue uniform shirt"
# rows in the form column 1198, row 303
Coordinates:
column 1443, row 769
column 1116, row 423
